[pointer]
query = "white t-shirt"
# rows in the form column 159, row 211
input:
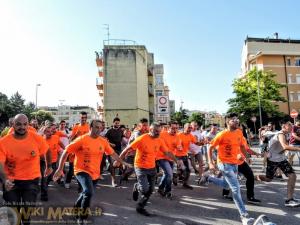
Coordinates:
column 195, row 149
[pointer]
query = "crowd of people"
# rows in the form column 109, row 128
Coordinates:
column 33, row 155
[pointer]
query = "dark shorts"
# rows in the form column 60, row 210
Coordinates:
column 285, row 167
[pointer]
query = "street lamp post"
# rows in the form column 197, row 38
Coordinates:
column 258, row 88
column 36, row 94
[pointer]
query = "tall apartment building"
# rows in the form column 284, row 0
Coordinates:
column 125, row 83
column 162, row 102
column 282, row 56
column 130, row 85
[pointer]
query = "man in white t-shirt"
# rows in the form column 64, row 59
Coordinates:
column 195, row 153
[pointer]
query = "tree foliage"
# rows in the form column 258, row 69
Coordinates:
column 181, row 116
column 42, row 115
column 198, row 117
column 246, row 101
column 9, row 107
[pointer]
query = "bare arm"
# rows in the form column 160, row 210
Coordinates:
column 285, row 145
column 60, row 168
column 170, row 155
column 295, row 136
column 125, row 151
column 61, row 145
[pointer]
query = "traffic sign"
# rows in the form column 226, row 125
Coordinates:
column 294, row 113
column 253, row 119
column 162, row 104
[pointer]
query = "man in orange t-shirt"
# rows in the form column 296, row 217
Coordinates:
column 54, row 145
column 20, row 154
column 172, row 142
column 88, row 150
column 186, row 139
column 78, row 130
column 147, row 147
column 230, row 147
column 245, row 169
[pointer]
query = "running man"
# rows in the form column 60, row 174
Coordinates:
column 147, row 147
column 172, row 142
column 186, row 139
column 229, row 144
column 20, row 154
column 278, row 144
column 88, row 150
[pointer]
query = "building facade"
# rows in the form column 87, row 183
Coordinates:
column 71, row 114
column 281, row 56
column 126, row 84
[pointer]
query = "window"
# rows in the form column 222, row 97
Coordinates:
column 297, row 62
column 159, row 92
column 159, row 80
column 290, row 81
column 293, row 96
column 297, row 78
column 288, row 61
column 298, row 95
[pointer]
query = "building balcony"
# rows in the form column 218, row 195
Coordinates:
column 100, row 109
column 101, row 94
column 150, row 90
column 100, row 87
column 99, row 62
column 150, row 71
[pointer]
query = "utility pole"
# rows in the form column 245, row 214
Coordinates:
column 106, row 27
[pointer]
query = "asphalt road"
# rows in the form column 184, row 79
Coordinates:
column 203, row 205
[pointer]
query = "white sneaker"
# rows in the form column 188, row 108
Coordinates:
column 292, row 203
column 263, row 220
column 67, row 185
column 246, row 220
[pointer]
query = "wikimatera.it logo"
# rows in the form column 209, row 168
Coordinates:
column 46, row 215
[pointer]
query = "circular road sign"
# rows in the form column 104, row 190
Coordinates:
column 294, row 114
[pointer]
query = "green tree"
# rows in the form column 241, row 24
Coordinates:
column 245, row 101
column 198, row 117
column 29, row 109
column 16, row 104
column 42, row 115
column 181, row 116
column 4, row 110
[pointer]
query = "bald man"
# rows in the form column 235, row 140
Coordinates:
column 20, row 154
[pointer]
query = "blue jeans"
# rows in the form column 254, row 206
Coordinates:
column 166, row 180
column 230, row 180
column 84, row 199
column 146, row 182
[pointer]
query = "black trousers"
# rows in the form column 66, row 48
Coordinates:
column 248, row 173
column 22, row 195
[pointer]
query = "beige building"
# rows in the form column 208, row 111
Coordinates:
column 282, row 56
column 71, row 114
column 125, row 83
column 162, row 101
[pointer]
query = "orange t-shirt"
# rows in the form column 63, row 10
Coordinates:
column 228, row 144
column 21, row 158
column 88, row 154
column 30, row 128
column 79, row 130
column 244, row 142
column 172, row 142
column 54, row 147
column 186, row 140
column 60, row 134
column 146, row 150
